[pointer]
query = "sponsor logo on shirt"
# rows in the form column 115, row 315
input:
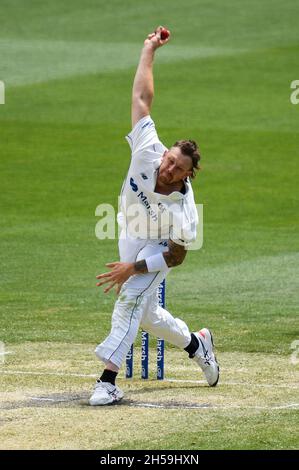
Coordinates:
column 161, row 207
column 182, row 222
column 146, row 124
column 144, row 200
column 133, row 185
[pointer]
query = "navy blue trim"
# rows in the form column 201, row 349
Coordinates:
column 146, row 124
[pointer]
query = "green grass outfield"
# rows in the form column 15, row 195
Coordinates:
column 224, row 80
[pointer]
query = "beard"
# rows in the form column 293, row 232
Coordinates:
column 165, row 178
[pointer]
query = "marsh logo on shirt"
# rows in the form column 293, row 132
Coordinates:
column 144, row 200
column 147, row 205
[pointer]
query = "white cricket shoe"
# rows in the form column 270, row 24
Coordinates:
column 105, row 394
column 205, row 356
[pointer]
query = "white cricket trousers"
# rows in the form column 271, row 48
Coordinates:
column 138, row 306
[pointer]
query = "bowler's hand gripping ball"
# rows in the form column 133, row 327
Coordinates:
column 164, row 34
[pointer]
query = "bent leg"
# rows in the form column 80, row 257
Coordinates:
column 159, row 322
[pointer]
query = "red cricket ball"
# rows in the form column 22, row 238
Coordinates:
column 164, row 34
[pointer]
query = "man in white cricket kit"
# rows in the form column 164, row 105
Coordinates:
column 158, row 189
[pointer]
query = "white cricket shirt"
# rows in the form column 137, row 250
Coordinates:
column 144, row 213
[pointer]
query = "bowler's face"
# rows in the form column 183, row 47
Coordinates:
column 175, row 166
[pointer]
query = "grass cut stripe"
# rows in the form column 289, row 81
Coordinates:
column 25, row 62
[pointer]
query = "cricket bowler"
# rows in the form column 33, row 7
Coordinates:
column 157, row 187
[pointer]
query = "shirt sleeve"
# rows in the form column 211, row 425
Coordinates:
column 184, row 237
column 143, row 135
column 184, row 228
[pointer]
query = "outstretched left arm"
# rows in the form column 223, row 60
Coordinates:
column 121, row 272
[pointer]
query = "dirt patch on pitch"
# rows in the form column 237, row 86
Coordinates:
column 67, row 400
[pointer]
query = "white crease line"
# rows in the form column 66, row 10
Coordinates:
column 71, row 374
column 42, row 399
column 191, row 407
column 55, row 374
column 218, row 407
column 186, row 381
column 6, row 352
column 256, row 407
column 291, row 405
column 169, row 406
